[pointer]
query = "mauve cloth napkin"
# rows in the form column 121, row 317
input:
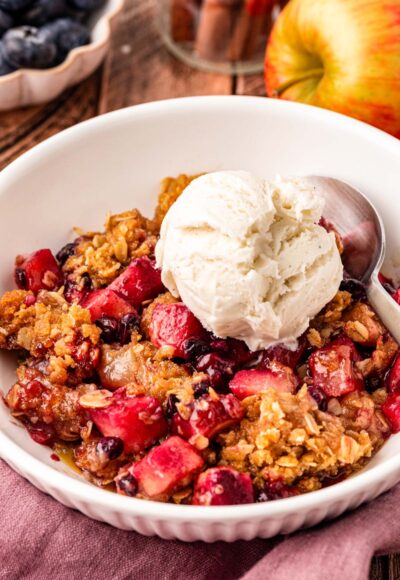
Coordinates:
column 41, row 540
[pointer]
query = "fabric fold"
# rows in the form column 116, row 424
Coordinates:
column 40, row 538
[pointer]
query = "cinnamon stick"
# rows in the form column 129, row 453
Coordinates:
column 240, row 35
column 252, row 28
column 215, row 28
column 183, row 20
column 260, row 31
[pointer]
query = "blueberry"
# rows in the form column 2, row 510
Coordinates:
column 194, row 347
column 86, row 281
column 201, row 388
column 127, row 484
column 87, row 5
column 20, row 278
column 113, row 330
column 5, row 69
column 65, row 31
column 15, row 5
column 43, row 11
column 319, row 397
column 218, row 368
column 356, row 288
column 6, row 22
column 170, row 409
column 109, row 328
column 128, row 323
column 112, row 447
column 73, row 291
column 66, row 252
column 24, row 47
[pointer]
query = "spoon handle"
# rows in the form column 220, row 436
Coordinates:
column 387, row 309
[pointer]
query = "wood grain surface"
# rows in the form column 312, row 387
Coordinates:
column 137, row 69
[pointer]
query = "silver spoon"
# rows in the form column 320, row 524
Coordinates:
column 361, row 227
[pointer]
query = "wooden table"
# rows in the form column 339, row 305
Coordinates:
column 138, row 69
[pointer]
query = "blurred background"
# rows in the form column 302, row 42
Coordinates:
column 64, row 61
column 138, row 68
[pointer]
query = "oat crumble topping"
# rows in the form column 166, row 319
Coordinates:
column 142, row 382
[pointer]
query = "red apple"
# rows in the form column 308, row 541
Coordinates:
column 339, row 55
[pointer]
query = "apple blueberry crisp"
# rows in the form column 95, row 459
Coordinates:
column 117, row 369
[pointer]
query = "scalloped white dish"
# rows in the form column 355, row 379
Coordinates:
column 33, row 87
column 115, row 162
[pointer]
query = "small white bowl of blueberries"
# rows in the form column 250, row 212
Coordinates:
column 49, row 45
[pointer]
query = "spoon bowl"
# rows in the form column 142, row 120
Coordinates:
column 364, row 241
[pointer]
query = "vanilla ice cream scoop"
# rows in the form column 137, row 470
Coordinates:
column 248, row 258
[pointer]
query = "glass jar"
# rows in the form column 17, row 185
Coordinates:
column 224, row 36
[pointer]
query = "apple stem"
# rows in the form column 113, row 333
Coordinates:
column 310, row 74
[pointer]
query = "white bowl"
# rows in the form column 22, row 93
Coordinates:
column 115, row 162
column 32, row 87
